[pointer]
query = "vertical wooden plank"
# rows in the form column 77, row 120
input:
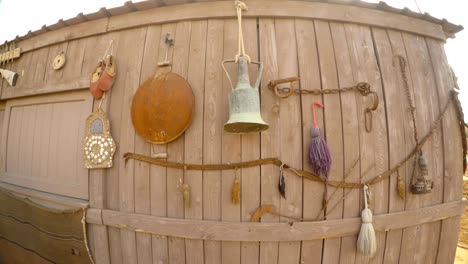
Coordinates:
column 309, row 71
column 22, row 67
column 45, row 140
column 290, row 140
column 175, row 149
column 250, row 150
column 212, row 132
column 388, row 45
column 374, row 144
column 27, row 132
column 13, row 133
column 54, row 132
column 131, row 66
column 34, row 75
column 425, row 98
column 332, row 132
column 98, row 190
column 158, row 180
column 194, row 135
column 51, row 75
column 349, row 117
column 142, row 169
column 453, row 166
column 270, row 109
column 231, row 143
column 2, row 118
column 41, row 65
column 111, row 181
column 76, row 50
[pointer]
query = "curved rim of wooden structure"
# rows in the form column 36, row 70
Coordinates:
column 285, row 231
column 329, row 11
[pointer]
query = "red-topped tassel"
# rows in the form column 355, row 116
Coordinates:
column 319, row 154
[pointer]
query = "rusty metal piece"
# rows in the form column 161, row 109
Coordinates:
column 291, row 80
column 162, row 108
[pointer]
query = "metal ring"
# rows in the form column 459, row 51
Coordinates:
column 368, row 120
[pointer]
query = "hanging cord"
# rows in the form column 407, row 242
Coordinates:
column 240, row 6
column 301, row 173
column 412, row 108
column 109, row 48
column 85, row 236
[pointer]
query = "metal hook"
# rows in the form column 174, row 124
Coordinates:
column 272, row 86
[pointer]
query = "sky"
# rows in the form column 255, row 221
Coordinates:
column 20, row 16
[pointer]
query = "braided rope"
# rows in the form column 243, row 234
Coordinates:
column 298, row 172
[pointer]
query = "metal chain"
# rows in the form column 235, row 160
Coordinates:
column 412, row 108
column 362, row 87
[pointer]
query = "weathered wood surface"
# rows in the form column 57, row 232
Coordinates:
column 269, row 232
column 224, row 9
column 325, row 53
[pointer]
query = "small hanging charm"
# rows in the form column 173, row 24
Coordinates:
column 281, row 182
column 186, row 194
column 235, row 192
column 98, row 146
column 59, row 61
column 423, row 184
column 401, row 186
column 366, row 243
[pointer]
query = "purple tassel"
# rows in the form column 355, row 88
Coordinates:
column 319, row 154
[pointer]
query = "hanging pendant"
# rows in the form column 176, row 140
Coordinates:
column 98, row 146
column 423, row 183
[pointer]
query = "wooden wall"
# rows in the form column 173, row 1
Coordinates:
column 325, row 55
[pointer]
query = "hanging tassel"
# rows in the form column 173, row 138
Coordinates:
column 366, row 243
column 282, row 183
column 319, row 154
column 400, row 186
column 235, row 192
column 186, row 194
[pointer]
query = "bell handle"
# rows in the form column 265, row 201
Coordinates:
column 227, row 74
column 259, row 76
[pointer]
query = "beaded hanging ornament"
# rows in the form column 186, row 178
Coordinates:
column 98, row 146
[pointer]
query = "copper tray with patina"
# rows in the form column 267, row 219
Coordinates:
column 162, row 108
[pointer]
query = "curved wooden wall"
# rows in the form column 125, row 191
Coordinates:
column 325, row 53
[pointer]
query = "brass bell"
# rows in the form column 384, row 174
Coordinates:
column 244, row 101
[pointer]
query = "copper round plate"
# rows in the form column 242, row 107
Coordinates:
column 162, row 108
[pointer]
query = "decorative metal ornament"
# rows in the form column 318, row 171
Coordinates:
column 98, row 146
column 244, row 101
column 162, row 108
column 59, row 61
column 423, row 183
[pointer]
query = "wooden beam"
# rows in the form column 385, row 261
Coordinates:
column 225, row 9
column 292, row 231
column 280, row 9
column 46, row 87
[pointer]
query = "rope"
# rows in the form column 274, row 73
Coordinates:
column 298, row 172
column 85, row 236
column 461, row 121
column 240, row 6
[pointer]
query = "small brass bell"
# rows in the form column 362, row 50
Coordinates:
column 423, row 184
column 244, row 102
